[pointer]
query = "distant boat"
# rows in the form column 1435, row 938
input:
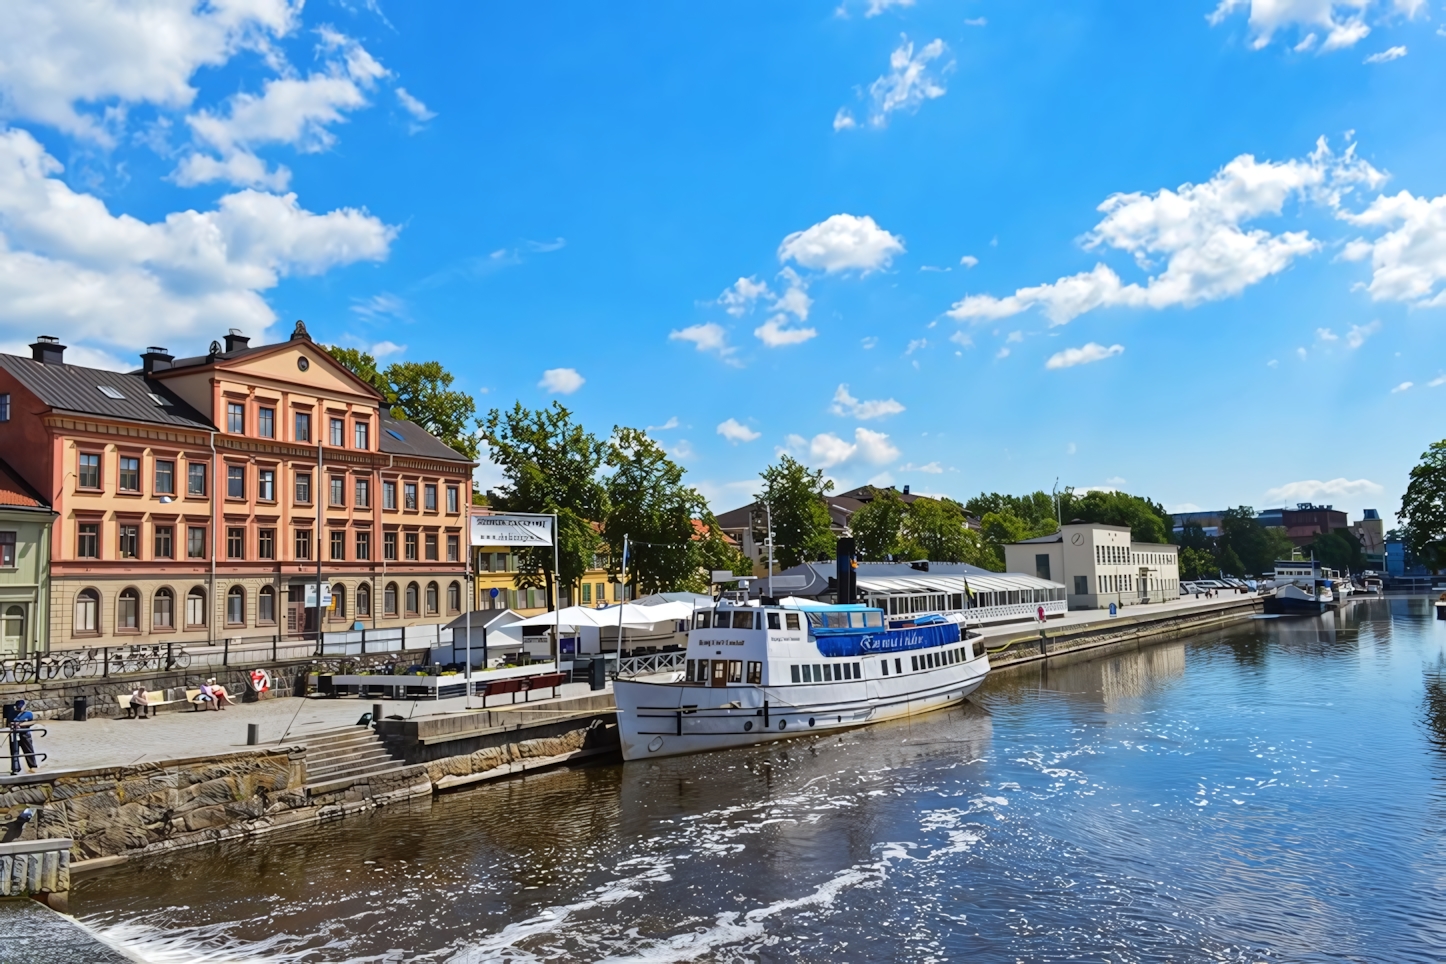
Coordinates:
column 1300, row 588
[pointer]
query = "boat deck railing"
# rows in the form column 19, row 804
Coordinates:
column 646, row 665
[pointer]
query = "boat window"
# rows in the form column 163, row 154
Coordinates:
column 817, row 673
column 914, row 663
column 720, row 621
column 858, row 671
column 815, row 619
column 885, row 664
column 791, row 620
column 828, row 672
column 856, row 620
column 735, row 671
column 720, row 670
column 874, row 620
column 703, row 619
column 755, row 672
column 838, row 620
column 793, row 672
column 773, row 622
column 692, row 667
column 742, row 619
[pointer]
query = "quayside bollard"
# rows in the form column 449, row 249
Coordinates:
column 253, row 734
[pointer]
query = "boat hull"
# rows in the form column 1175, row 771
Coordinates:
column 1284, row 602
column 660, row 719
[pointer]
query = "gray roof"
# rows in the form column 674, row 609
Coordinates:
column 1039, row 540
column 819, row 574
column 414, row 440
column 72, row 388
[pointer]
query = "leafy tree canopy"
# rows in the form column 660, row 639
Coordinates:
column 997, row 529
column 800, row 518
column 1339, row 550
column 878, row 524
column 648, row 502
column 1148, row 521
column 1253, row 547
column 938, row 530
column 1036, row 510
column 1423, row 508
column 418, row 392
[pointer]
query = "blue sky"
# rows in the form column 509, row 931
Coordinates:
column 1194, row 250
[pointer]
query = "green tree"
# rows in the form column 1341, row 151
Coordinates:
column 938, row 530
column 1255, row 547
column 648, row 502
column 713, row 553
column 1192, row 536
column 550, row 465
column 1423, row 508
column 418, row 392
column 1230, row 564
column 877, row 525
column 996, row 530
column 1196, row 564
column 1148, row 521
column 1339, row 550
column 801, row 525
column 1036, row 510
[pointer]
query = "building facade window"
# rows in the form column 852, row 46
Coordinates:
column 338, row 544
column 454, row 500
column 235, row 542
column 431, row 599
column 338, row 602
column 389, row 599
column 413, row 592
column 302, row 427
column 163, row 610
column 409, row 496
column 303, row 488
column 411, row 544
column 429, row 498
column 389, row 546
column 363, row 600
column 302, row 544
column 266, row 422
column 363, row 494
column 165, row 542
column 389, row 495
column 235, row 481
column 165, row 477
column 130, row 541
column 338, row 431
column 265, row 543
column 363, row 544
column 7, row 550
column 196, row 608
column 195, row 542
column 266, row 605
column 362, row 435
column 431, row 544
column 4, row 407
column 266, row 485
column 88, row 474
column 130, row 474
column 235, row 606
column 236, row 418
column 87, row 613
column 195, row 478
column 128, row 611
column 87, row 540
column 338, row 490
column 454, row 597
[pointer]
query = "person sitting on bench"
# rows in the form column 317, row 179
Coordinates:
column 206, row 696
column 140, row 704
column 219, row 692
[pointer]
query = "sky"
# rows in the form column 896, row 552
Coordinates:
column 1191, row 250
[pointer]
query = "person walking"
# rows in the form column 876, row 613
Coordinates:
column 21, row 742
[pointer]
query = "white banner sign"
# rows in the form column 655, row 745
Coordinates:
column 311, row 595
column 511, row 530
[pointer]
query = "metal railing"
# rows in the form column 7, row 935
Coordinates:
column 652, row 663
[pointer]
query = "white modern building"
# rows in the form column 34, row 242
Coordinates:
column 1100, row 564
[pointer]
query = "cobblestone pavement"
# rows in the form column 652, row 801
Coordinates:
column 178, row 732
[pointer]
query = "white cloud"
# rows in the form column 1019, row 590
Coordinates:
column 1300, row 352
column 681, row 449
column 561, row 381
column 874, row 447
column 868, row 341
column 775, row 333
column 877, row 7
column 909, row 82
column 1437, row 382
column 843, row 120
column 1325, row 334
column 1313, row 490
column 1273, row 363
column 1358, row 334
column 382, row 349
column 827, row 450
column 969, row 261
column 1199, row 231
column 1014, row 337
column 848, row 406
column 1342, row 21
column 1386, row 56
column 418, row 110
column 708, row 336
column 976, row 22
column 290, row 110
column 1183, row 507
column 1003, row 352
column 68, row 265
column 735, row 431
column 1403, row 387
column 916, row 344
column 932, row 468
column 671, row 423
column 738, row 298
column 76, row 64
column 1091, row 352
column 1071, row 449
column 794, row 300
column 962, row 338
column 842, row 242
column 381, row 309
column 1408, row 262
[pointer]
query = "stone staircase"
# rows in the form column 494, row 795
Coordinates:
column 337, row 759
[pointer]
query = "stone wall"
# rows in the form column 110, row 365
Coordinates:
column 30, row 868
column 55, row 699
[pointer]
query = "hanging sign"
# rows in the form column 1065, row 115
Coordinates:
column 511, row 530
column 325, row 595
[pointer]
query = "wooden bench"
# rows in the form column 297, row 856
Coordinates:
column 194, row 698
column 546, row 681
column 155, row 699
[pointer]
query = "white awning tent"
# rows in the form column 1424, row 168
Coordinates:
column 925, row 583
column 633, row 616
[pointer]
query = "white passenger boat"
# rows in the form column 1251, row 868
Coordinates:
column 756, row 673
column 1300, row 588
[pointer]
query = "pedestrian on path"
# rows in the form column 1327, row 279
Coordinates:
column 20, row 739
column 140, row 704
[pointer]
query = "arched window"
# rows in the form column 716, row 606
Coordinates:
column 389, row 600
column 14, row 630
column 236, row 606
column 412, row 593
column 363, row 600
column 196, row 607
column 163, row 610
column 87, row 613
column 128, row 611
column 431, row 599
column 266, row 605
column 454, row 597
column 338, row 601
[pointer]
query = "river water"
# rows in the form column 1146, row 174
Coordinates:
column 1276, row 791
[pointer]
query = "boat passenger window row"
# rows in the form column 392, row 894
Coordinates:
column 925, row 603
column 825, row 672
column 720, row 671
column 866, row 619
column 789, row 619
column 921, row 661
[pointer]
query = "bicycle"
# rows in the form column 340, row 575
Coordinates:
column 180, row 659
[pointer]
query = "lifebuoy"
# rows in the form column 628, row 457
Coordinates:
column 260, row 680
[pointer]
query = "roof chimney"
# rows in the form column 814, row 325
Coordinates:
column 235, row 341
column 155, row 359
column 48, row 350
column 906, row 490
